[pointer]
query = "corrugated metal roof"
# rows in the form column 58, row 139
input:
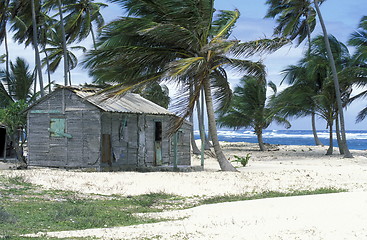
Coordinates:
column 126, row 103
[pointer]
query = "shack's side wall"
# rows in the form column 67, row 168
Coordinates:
column 183, row 145
column 82, row 122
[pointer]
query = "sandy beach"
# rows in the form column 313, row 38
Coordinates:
column 285, row 169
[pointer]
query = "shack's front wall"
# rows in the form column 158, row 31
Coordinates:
column 79, row 120
column 134, row 144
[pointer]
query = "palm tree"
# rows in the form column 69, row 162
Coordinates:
column 347, row 153
column 81, row 15
column 297, row 20
column 156, row 93
column 14, row 99
column 248, row 108
column 359, row 40
column 27, row 10
column 55, row 53
column 4, row 18
column 58, row 4
column 167, row 40
column 310, row 90
column 19, row 82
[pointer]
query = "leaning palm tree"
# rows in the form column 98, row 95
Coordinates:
column 81, row 16
column 176, row 42
column 248, row 108
column 294, row 11
column 297, row 20
column 344, row 145
column 310, row 90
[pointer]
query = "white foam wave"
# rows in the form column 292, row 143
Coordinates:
column 287, row 134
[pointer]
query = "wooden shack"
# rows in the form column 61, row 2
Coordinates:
column 74, row 128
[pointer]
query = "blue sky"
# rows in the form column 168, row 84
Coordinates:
column 341, row 17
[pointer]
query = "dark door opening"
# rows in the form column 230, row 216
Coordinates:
column 2, row 141
column 158, row 144
column 106, row 149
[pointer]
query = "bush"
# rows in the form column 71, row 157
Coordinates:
column 242, row 160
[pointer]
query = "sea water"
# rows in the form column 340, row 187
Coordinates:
column 356, row 139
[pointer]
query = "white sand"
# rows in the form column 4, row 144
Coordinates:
column 330, row 216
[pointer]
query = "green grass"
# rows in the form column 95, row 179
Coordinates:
column 268, row 194
column 26, row 208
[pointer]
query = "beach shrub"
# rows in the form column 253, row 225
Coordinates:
column 243, row 160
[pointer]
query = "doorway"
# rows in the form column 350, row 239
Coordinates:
column 158, row 144
column 2, row 141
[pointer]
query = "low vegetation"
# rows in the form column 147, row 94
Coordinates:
column 26, row 208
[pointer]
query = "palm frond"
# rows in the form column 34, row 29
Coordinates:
column 261, row 46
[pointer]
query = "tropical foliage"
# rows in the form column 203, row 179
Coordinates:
column 311, row 89
column 359, row 40
column 248, row 108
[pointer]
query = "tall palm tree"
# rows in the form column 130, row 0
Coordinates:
column 359, row 40
column 249, row 109
column 296, row 9
column 347, row 153
column 55, row 53
column 58, row 6
column 297, row 20
column 27, row 10
column 81, row 16
column 23, row 32
column 4, row 18
column 310, row 90
column 167, row 40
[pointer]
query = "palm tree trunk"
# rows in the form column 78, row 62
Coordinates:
column 207, row 143
column 66, row 66
column 347, row 153
column 330, row 149
column 35, row 45
column 7, row 57
column 313, row 123
column 259, row 134
column 195, row 149
column 93, row 37
column 224, row 164
column 337, row 131
column 201, row 124
column 48, row 72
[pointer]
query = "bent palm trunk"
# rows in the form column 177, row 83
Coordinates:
column 314, row 132
column 347, row 153
column 259, row 134
column 225, row 165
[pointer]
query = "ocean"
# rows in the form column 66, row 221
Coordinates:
column 357, row 139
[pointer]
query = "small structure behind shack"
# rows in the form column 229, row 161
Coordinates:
column 74, row 128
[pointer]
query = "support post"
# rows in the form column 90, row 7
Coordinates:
column 175, row 151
